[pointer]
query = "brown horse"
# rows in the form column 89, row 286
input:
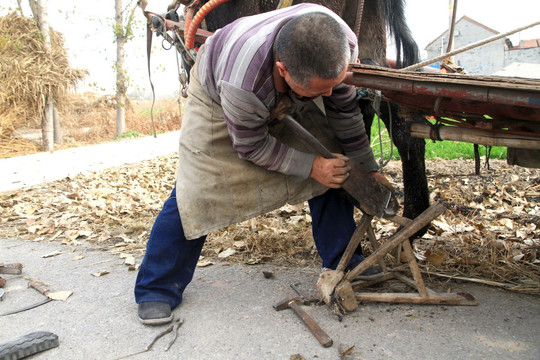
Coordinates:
column 377, row 17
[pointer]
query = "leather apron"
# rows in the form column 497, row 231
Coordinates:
column 215, row 188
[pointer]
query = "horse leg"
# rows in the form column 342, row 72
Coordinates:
column 412, row 152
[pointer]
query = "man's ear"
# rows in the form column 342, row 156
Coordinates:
column 281, row 68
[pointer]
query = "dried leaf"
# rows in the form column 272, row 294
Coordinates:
column 443, row 226
column 295, row 219
column 435, row 258
column 204, row 263
column 297, row 357
column 60, row 295
column 226, row 253
column 412, row 316
column 239, row 244
column 508, row 223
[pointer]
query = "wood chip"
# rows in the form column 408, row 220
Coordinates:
column 130, row 261
column 100, row 273
column 54, row 253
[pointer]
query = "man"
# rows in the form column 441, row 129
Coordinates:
column 237, row 162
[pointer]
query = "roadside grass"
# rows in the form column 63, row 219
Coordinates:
column 127, row 135
column 447, row 149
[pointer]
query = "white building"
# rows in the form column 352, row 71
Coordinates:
column 486, row 59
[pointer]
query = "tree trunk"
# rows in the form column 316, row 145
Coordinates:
column 33, row 7
column 57, row 127
column 20, row 7
column 120, row 72
column 47, row 124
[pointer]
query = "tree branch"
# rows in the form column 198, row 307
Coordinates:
column 33, row 7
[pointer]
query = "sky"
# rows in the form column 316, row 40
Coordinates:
column 86, row 26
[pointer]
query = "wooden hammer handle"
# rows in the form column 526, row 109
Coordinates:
column 315, row 329
column 14, row 269
column 40, row 287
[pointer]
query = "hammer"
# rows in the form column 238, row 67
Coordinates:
column 294, row 303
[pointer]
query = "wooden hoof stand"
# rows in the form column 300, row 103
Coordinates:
column 346, row 296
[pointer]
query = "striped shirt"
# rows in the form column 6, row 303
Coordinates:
column 236, row 71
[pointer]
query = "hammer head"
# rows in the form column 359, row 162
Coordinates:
column 286, row 304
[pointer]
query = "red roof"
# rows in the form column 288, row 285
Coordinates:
column 524, row 44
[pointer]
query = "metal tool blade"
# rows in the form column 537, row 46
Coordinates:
column 371, row 196
column 44, row 301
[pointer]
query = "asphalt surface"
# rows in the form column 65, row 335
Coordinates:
column 228, row 309
column 30, row 170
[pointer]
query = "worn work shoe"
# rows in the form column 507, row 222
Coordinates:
column 372, row 273
column 155, row 313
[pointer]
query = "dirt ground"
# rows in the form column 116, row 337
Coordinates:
column 228, row 314
column 489, row 233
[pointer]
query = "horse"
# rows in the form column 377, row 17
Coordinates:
column 370, row 19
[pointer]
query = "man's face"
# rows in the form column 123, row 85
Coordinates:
column 317, row 86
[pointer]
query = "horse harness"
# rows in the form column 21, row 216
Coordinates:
column 160, row 24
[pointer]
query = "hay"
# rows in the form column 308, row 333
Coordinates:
column 29, row 74
column 90, row 118
column 10, row 147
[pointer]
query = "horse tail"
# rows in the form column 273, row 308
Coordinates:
column 407, row 52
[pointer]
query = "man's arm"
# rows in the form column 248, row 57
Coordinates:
column 247, row 121
column 346, row 120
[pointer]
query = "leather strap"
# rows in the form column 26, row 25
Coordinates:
column 284, row 3
column 148, row 52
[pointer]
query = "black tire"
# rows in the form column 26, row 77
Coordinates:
column 28, row 344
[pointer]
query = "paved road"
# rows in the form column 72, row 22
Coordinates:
column 227, row 310
column 228, row 314
column 29, row 170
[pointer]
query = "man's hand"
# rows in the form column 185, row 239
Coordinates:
column 331, row 172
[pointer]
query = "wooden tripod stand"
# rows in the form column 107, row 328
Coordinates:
column 345, row 296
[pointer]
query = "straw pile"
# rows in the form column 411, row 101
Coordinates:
column 28, row 74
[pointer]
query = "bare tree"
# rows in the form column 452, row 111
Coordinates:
column 20, row 7
column 39, row 8
column 33, row 7
column 122, row 35
column 56, row 124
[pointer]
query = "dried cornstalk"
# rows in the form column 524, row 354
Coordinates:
column 28, row 75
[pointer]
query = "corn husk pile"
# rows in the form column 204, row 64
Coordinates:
column 29, row 74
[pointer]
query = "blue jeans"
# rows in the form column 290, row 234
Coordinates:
column 170, row 259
